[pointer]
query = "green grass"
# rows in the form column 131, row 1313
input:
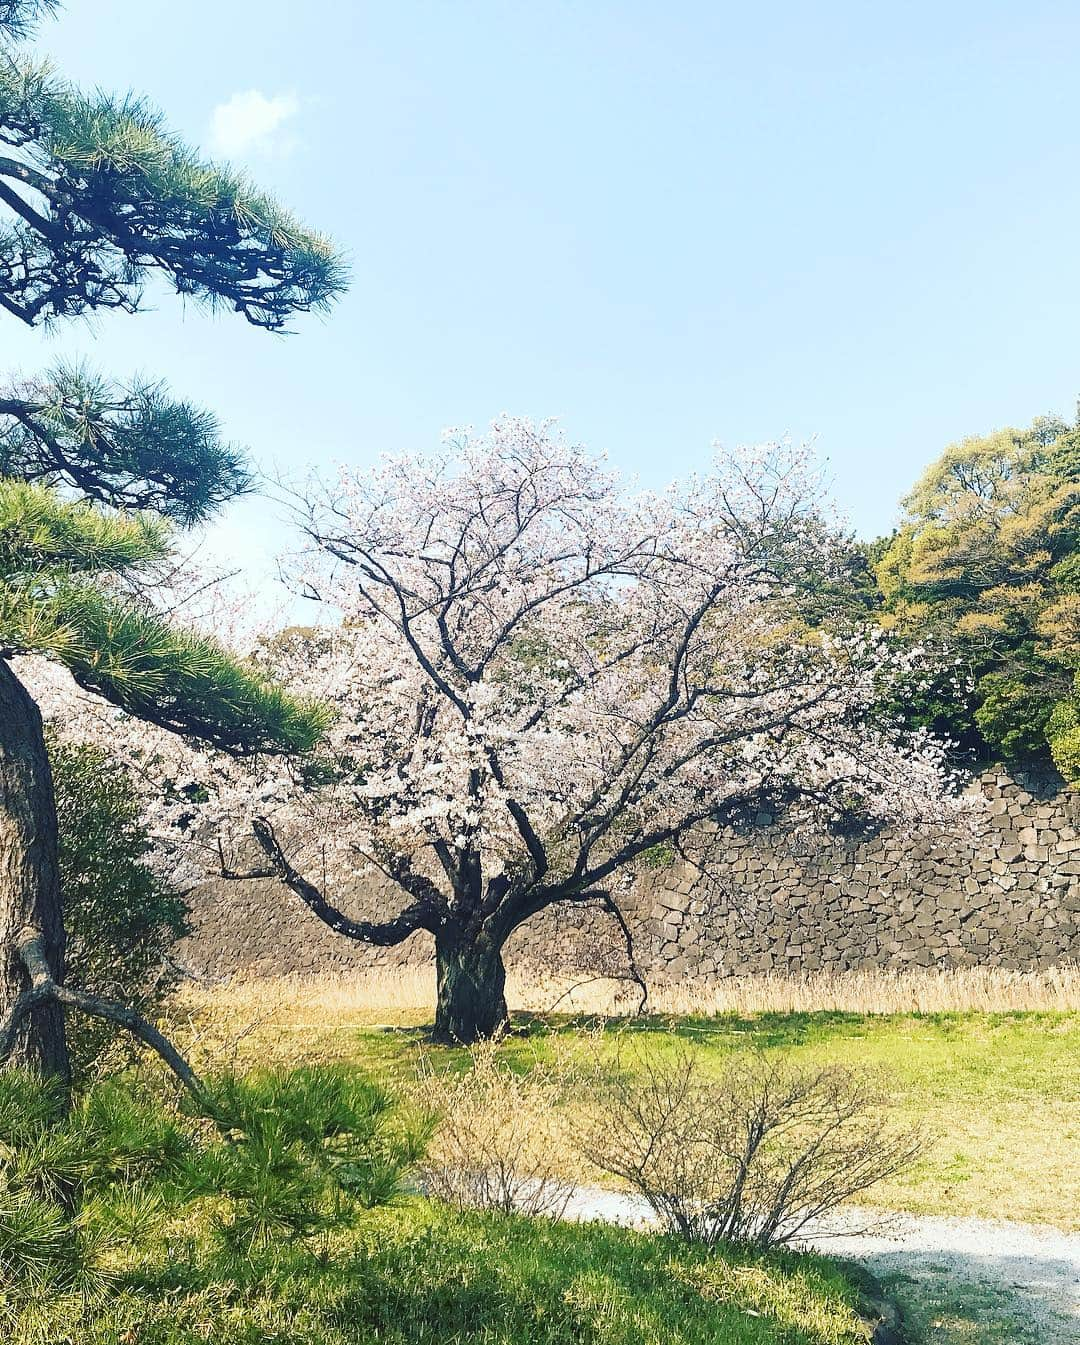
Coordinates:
column 420, row 1273
column 998, row 1093
column 272, row 1210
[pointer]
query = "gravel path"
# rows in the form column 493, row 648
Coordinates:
column 1031, row 1274
column 1034, row 1272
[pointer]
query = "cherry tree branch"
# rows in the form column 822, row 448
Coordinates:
column 422, row 914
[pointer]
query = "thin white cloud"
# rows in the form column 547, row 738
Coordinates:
column 250, row 122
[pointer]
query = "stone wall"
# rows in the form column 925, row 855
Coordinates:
column 1004, row 894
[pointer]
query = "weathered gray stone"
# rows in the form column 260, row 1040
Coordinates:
column 1006, row 893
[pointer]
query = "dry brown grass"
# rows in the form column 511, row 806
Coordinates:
column 407, row 994
column 503, row 1133
column 961, row 990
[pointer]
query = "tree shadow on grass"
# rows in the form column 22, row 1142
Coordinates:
column 725, row 1031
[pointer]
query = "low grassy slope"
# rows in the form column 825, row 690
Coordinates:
column 999, row 1093
column 423, row 1274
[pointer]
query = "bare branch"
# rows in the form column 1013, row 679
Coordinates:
column 422, row 914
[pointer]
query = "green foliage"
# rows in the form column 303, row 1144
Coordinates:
column 41, row 531
column 55, row 558
column 833, row 587
column 179, row 679
column 51, row 1236
column 270, row 1160
column 104, row 192
column 165, row 1237
column 37, row 1248
column 99, row 193
column 18, row 17
column 121, row 918
column 987, row 565
column 306, row 1147
column 1063, row 733
column 658, row 857
column 1010, row 715
column 132, row 446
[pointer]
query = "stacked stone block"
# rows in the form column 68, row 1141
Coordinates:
column 1003, row 892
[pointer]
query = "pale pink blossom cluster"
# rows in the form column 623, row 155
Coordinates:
column 532, row 658
column 540, row 676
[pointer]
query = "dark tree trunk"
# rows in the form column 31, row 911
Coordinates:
column 471, row 989
column 29, row 874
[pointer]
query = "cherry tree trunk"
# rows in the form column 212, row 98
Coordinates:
column 471, row 981
column 29, row 873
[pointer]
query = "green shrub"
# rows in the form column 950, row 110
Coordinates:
column 302, row 1151
column 46, row 1246
column 269, row 1161
column 1063, row 734
column 122, row 919
column 1014, row 713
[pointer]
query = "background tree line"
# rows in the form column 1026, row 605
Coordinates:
column 985, row 567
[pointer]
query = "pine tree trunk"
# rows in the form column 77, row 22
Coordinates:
column 471, row 990
column 29, row 873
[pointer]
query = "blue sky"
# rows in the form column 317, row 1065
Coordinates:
column 665, row 224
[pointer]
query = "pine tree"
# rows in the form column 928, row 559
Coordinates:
column 95, row 476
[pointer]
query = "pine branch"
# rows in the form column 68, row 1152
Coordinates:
column 43, row 988
column 127, row 446
column 41, row 532
column 110, row 193
column 180, row 680
column 18, row 18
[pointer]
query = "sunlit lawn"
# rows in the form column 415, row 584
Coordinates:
column 421, row 1273
column 999, row 1094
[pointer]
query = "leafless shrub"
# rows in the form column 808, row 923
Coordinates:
column 750, row 1157
column 499, row 1137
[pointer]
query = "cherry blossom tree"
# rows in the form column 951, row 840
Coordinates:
column 540, row 677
